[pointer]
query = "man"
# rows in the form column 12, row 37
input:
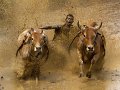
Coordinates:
column 62, row 32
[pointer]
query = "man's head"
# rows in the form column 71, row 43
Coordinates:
column 69, row 19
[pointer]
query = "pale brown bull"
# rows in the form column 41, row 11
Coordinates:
column 33, row 47
column 90, row 47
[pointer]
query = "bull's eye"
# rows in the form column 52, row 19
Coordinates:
column 84, row 34
column 43, row 37
column 32, row 38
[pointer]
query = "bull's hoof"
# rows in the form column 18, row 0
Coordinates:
column 23, row 78
column 88, row 74
column 81, row 74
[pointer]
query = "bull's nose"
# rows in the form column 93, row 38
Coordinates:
column 38, row 48
column 90, row 48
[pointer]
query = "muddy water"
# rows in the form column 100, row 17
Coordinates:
column 59, row 74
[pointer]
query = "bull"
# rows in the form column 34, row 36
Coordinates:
column 90, row 48
column 33, row 47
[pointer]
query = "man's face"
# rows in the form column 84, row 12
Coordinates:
column 69, row 20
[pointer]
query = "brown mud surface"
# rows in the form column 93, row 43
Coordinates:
column 60, row 74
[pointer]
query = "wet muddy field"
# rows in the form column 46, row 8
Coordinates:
column 61, row 74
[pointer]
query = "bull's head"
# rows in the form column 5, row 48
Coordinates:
column 38, row 40
column 88, row 36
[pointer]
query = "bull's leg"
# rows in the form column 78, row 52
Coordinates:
column 89, row 71
column 37, row 71
column 80, row 63
column 27, row 72
column 93, row 61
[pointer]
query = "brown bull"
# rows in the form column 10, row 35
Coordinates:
column 90, row 48
column 34, row 51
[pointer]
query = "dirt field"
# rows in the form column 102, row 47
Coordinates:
column 17, row 15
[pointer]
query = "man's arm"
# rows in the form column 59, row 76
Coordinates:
column 51, row 27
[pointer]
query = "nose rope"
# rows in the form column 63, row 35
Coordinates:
column 73, row 40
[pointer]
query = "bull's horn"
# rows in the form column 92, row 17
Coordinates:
column 41, row 31
column 32, row 29
column 99, row 26
column 78, row 25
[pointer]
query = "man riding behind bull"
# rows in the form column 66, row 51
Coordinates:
column 63, row 33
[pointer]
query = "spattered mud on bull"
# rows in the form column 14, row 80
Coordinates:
column 33, row 47
column 90, row 48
